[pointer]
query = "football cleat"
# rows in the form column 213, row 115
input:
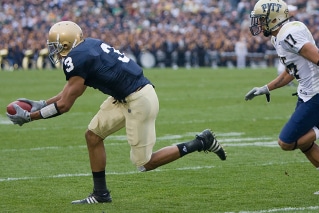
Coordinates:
column 93, row 198
column 210, row 143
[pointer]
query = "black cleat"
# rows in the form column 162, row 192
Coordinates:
column 210, row 143
column 93, row 198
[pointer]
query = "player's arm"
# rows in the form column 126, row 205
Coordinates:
column 37, row 105
column 310, row 52
column 283, row 79
column 54, row 98
column 57, row 97
column 63, row 101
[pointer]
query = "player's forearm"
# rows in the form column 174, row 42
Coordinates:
column 280, row 81
column 48, row 111
column 54, row 99
column 35, row 115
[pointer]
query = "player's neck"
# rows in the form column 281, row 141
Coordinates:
column 275, row 33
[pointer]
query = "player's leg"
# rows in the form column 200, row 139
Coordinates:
column 313, row 155
column 108, row 120
column 140, row 114
column 310, row 149
column 96, row 151
column 301, row 131
column 140, row 127
column 205, row 141
column 307, row 145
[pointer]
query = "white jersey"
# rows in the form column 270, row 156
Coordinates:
column 289, row 41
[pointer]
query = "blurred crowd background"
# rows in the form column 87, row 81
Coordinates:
column 155, row 33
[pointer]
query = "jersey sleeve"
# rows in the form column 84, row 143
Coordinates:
column 73, row 66
column 296, row 39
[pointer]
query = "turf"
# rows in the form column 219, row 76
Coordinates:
column 44, row 164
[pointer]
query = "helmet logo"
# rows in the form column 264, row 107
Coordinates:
column 286, row 11
column 271, row 7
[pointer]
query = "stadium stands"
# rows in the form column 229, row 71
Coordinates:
column 170, row 33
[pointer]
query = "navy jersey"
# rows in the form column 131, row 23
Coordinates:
column 104, row 68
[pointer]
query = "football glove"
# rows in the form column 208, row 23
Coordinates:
column 36, row 105
column 258, row 91
column 21, row 117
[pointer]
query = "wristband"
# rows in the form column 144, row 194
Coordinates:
column 50, row 111
column 318, row 63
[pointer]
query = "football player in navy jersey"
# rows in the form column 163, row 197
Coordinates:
column 297, row 50
column 132, row 104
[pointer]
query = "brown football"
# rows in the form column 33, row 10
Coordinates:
column 11, row 110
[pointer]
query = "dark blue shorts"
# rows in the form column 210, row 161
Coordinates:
column 304, row 118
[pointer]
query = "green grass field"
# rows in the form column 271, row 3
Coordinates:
column 44, row 164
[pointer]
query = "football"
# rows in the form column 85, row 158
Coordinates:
column 11, row 110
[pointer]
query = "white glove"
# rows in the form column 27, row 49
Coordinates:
column 36, row 105
column 258, row 91
column 21, row 117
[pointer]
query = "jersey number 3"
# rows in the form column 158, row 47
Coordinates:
column 106, row 48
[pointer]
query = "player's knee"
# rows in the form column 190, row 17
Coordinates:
column 91, row 138
column 88, row 135
column 286, row 146
column 148, row 166
column 141, row 168
column 142, row 157
column 139, row 161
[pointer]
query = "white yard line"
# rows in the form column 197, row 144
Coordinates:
column 107, row 173
column 286, row 209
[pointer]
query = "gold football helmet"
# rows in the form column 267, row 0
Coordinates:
column 268, row 16
column 63, row 37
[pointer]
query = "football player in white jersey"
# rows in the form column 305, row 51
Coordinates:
column 297, row 50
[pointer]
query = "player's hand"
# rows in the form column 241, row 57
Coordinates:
column 36, row 105
column 21, row 117
column 258, row 91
